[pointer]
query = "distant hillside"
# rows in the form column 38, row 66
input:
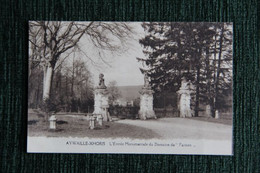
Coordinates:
column 130, row 92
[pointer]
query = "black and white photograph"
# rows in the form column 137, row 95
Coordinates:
column 130, row 87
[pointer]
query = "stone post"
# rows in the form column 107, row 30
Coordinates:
column 100, row 120
column 146, row 101
column 208, row 111
column 53, row 120
column 184, row 99
column 101, row 99
column 92, row 122
column 216, row 114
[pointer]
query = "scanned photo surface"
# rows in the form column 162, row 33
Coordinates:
column 130, row 87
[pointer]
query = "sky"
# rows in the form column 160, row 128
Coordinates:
column 123, row 67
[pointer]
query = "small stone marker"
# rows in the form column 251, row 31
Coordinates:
column 216, row 115
column 208, row 111
column 92, row 122
column 53, row 120
column 100, row 120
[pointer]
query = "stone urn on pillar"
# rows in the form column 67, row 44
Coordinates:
column 146, row 101
column 101, row 100
column 184, row 99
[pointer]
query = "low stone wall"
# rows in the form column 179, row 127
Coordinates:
column 127, row 112
column 162, row 112
column 132, row 112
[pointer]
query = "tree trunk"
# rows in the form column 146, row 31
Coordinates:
column 208, row 87
column 66, row 91
column 48, row 77
column 218, row 69
column 38, row 99
column 197, row 92
column 214, row 77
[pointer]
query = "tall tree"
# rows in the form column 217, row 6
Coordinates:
column 51, row 42
column 78, row 82
column 174, row 50
column 35, row 88
column 160, row 50
column 114, row 92
column 222, row 84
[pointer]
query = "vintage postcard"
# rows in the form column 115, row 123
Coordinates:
column 130, row 87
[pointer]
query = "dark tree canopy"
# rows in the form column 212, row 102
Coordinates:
column 201, row 52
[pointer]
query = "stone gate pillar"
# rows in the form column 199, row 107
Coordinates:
column 184, row 99
column 146, row 101
column 101, row 100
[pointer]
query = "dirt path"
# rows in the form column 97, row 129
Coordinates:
column 180, row 128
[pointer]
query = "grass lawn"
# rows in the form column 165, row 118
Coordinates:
column 69, row 126
column 213, row 120
column 224, row 118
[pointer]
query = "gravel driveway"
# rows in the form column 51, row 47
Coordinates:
column 181, row 128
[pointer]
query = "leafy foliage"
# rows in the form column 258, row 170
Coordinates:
column 51, row 42
column 72, row 88
column 114, row 92
column 201, row 52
